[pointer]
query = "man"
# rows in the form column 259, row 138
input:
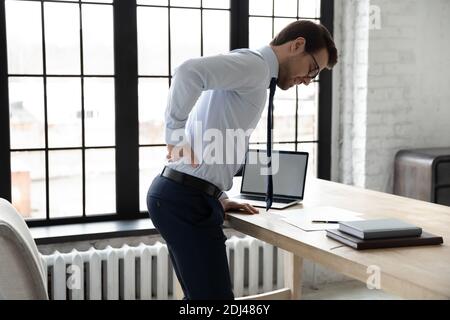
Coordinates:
column 217, row 95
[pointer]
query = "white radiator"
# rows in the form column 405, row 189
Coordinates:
column 145, row 272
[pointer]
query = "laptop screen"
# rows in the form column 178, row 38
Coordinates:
column 288, row 175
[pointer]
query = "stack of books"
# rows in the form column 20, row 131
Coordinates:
column 381, row 233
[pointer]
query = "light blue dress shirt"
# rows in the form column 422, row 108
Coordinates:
column 222, row 92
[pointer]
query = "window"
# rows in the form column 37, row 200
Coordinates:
column 295, row 110
column 167, row 36
column 61, row 103
column 83, row 97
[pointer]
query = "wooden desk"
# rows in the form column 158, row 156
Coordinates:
column 411, row 272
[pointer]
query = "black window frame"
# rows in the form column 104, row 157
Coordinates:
column 126, row 108
column 323, row 139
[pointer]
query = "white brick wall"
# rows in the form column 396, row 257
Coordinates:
column 408, row 103
column 350, row 90
column 408, row 86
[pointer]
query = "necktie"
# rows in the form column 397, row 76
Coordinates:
column 269, row 193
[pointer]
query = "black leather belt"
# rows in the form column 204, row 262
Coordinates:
column 191, row 181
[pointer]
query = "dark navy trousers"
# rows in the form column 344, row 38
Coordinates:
column 190, row 221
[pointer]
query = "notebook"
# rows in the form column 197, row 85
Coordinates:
column 379, row 228
column 360, row 244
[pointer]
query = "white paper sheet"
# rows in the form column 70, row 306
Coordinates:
column 302, row 218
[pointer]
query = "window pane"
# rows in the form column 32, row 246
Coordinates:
column 26, row 103
column 151, row 163
column 311, row 148
column 65, row 183
column 28, row 183
column 91, row 1
column 100, row 181
column 260, row 33
column 225, row 4
column 152, row 104
column 153, row 2
column 99, row 111
column 280, row 23
column 98, row 51
column 283, row 146
column 307, row 112
column 216, row 32
column 185, row 35
column 24, row 37
column 309, row 8
column 64, row 112
column 276, row 146
column 286, row 8
column 284, row 115
column 185, row 3
column 256, row 146
column 260, row 7
column 153, row 43
column 101, row 1
column 260, row 132
column 284, row 118
column 62, row 38
column 316, row 21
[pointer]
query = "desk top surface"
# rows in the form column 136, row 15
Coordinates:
column 425, row 268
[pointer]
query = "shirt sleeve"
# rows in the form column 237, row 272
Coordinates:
column 240, row 72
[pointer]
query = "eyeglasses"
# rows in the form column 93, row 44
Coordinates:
column 314, row 72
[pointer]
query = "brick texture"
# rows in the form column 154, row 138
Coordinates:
column 408, row 89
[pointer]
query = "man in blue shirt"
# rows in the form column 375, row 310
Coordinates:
column 214, row 105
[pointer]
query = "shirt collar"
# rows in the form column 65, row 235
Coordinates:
column 271, row 59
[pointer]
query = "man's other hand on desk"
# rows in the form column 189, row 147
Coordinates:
column 245, row 208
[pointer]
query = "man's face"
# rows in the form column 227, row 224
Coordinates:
column 301, row 66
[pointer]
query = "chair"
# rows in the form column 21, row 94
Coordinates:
column 22, row 274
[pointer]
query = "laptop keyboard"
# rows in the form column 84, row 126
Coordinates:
column 260, row 198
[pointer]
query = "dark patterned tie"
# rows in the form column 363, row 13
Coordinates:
column 269, row 194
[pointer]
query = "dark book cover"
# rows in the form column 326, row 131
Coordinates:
column 360, row 244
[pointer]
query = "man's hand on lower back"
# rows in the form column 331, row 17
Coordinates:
column 175, row 153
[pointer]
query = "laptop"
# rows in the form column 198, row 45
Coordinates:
column 288, row 178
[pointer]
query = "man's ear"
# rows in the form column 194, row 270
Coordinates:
column 298, row 45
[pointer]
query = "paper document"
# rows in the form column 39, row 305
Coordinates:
column 302, row 218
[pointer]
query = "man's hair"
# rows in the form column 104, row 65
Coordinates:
column 316, row 35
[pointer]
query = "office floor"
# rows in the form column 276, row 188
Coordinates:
column 346, row 290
